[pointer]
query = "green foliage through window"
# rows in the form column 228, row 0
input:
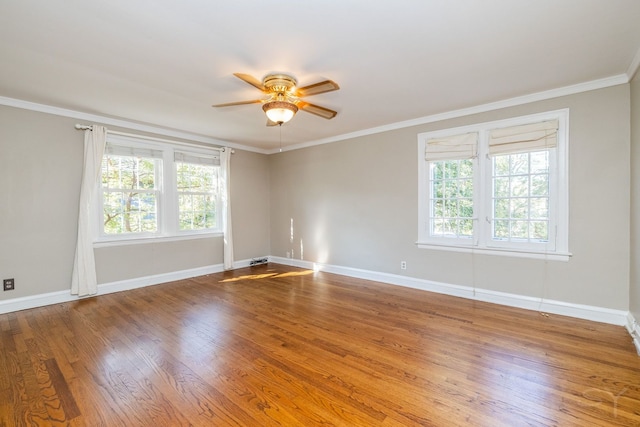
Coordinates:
column 197, row 196
column 130, row 200
column 452, row 198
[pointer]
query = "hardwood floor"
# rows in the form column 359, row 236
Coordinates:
column 273, row 345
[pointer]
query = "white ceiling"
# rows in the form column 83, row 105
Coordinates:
column 165, row 62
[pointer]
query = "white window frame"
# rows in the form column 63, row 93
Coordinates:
column 218, row 191
column 167, row 209
column 556, row 249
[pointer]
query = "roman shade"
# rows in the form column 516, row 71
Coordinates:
column 456, row 147
column 524, row 138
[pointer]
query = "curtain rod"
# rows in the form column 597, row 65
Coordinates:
column 151, row 138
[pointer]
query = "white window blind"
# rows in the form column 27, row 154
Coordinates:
column 119, row 150
column 524, row 138
column 197, row 159
column 456, row 147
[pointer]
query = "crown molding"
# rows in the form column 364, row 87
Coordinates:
column 95, row 118
column 633, row 67
column 511, row 102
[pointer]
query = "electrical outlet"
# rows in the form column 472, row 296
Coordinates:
column 403, row 265
column 8, row 284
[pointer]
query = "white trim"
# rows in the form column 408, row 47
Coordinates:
column 597, row 314
column 634, row 329
column 41, row 300
column 548, row 256
column 511, row 102
column 633, row 67
column 42, row 108
column 156, row 279
column 593, row 313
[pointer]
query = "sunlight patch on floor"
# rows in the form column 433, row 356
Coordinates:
column 267, row 275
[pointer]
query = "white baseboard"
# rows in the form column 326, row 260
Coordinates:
column 597, row 314
column 33, row 301
column 634, row 329
column 156, row 279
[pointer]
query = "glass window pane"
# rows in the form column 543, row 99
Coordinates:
column 539, row 208
column 465, row 208
column 519, row 163
column 438, row 208
column 540, row 162
column 501, row 165
column 501, row 229
column 437, row 170
column 540, row 185
column 519, row 186
column 465, row 188
column 539, row 230
column 519, row 208
column 519, row 229
column 501, row 187
column 449, row 226
column 450, row 189
column 438, row 189
column 466, row 168
column 466, row 227
column 438, row 227
column 451, row 169
column 501, row 208
column 451, row 208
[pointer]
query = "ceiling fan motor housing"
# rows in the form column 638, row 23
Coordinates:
column 279, row 83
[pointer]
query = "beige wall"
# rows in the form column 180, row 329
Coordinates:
column 634, row 291
column 40, row 170
column 354, row 204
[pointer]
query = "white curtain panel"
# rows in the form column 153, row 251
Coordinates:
column 225, row 164
column 83, row 280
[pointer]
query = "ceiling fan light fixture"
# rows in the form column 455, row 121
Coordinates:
column 280, row 111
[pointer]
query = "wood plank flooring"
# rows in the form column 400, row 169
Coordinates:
column 278, row 346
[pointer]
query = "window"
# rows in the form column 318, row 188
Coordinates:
column 197, row 186
column 158, row 190
column 498, row 187
column 130, row 190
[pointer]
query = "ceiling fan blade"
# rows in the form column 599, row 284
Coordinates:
column 325, row 113
column 230, row 104
column 316, row 88
column 271, row 123
column 251, row 80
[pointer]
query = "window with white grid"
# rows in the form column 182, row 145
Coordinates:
column 520, row 199
column 130, row 190
column 197, row 188
column 451, row 198
column 498, row 187
column 158, row 190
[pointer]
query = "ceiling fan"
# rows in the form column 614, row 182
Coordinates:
column 283, row 99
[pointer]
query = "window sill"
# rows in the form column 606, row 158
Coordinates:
column 547, row 256
column 106, row 242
